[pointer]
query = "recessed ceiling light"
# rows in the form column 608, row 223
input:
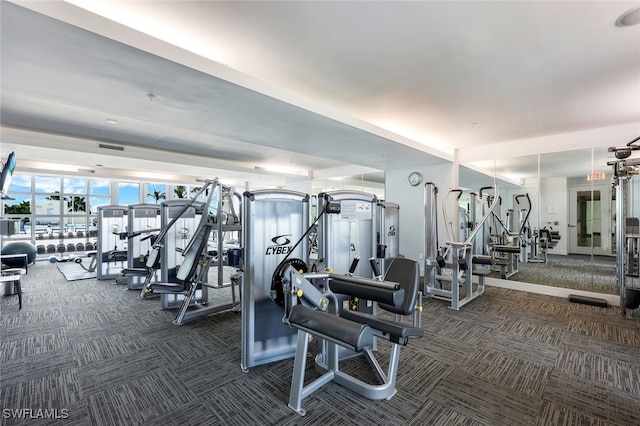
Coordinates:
column 112, row 121
column 630, row 17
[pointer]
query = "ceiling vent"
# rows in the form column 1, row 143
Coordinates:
column 112, row 147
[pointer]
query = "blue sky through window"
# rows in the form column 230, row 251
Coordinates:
column 128, row 193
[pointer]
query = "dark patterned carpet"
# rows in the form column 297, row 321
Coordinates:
column 90, row 353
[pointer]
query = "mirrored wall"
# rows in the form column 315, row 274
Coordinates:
column 563, row 208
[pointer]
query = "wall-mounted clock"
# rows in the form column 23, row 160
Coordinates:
column 414, row 179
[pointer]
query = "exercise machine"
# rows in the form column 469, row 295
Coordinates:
column 313, row 308
column 225, row 208
column 111, row 247
column 190, row 260
column 626, row 181
column 449, row 270
column 512, row 249
column 144, row 224
column 185, row 215
column 388, row 234
column 272, row 222
column 349, row 235
column 540, row 242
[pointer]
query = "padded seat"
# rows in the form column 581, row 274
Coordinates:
column 166, row 288
column 134, row 272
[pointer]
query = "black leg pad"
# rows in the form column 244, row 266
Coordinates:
column 331, row 327
column 397, row 332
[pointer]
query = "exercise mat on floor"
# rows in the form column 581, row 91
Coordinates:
column 73, row 271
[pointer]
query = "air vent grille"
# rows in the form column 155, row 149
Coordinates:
column 113, row 147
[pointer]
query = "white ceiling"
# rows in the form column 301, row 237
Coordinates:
column 336, row 88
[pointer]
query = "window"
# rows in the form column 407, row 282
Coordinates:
column 47, row 184
column 156, row 193
column 128, row 193
column 99, row 187
column 76, row 203
column 20, row 183
column 47, row 205
column 75, row 186
column 20, row 205
column 95, row 202
column 180, row 191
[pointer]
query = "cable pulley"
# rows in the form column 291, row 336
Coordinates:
column 277, row 281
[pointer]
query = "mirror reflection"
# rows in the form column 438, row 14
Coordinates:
column 556, row 222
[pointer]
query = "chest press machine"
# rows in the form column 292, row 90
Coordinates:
column 191, row 276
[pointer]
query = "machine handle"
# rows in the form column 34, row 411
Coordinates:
column 484, row 188
column 374, row 266
column 354, row 265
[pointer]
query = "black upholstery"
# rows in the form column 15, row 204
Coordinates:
column 347, row 333
column 506, row 248
column 483, row 260
column 134, row 272
column 406, row 272
column 166, row 288
column 378, row 294
column 189, row 267
column 397, row 332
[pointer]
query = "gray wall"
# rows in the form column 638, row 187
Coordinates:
column 411, row 202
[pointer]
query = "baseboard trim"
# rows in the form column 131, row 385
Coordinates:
column 612, row 299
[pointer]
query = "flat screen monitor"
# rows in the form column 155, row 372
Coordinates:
column 7, row 173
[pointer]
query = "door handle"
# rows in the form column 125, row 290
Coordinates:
column 572, row 226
